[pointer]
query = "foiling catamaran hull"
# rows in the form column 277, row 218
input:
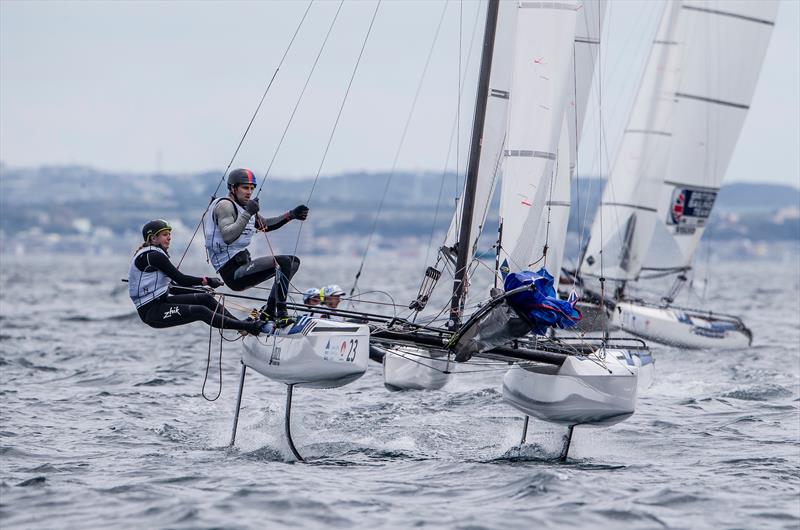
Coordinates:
column 410, row 368
column 685, row 328
column 583, row 391
column 314, row 353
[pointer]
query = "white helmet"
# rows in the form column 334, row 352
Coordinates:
column 311, row 293
column 332, row 290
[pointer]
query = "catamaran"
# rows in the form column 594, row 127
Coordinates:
column 693, row 98
column 521, row 107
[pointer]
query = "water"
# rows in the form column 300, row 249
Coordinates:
column 103, row 425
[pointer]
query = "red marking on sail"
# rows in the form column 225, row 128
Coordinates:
column 526, row 202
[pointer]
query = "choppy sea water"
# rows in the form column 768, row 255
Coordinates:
column 102, row 424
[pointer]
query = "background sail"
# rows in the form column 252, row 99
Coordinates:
column 588, row 28
column 623, row 225
column 725, row 47
column 542, row 63
column 494, row 129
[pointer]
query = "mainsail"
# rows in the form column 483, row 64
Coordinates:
column 725, row 47
column 552, row 230
column 623, row 225
column 494, row 128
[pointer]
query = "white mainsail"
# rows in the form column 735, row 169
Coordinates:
column 542, row 62
column 494, row 128
column 624, row 222
column 725, row 47
column 552, row 230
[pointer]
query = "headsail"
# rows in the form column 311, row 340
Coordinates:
column 725, row 48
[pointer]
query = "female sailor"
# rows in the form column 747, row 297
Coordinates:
column 150, row 277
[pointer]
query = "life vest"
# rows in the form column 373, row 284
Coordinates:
column 220, row 252
column 145, row 286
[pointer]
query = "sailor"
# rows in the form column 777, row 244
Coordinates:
column 229, row 225
column 312, row 297
column 150, row 277
column 331, row 297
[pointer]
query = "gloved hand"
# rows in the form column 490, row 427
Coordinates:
column 252, row 206
column 214, row 282
column 299, row 212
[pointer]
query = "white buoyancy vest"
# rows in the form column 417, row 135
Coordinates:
column 146, row 286
column 220, row 252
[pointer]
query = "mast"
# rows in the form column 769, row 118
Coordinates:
column 464, row 246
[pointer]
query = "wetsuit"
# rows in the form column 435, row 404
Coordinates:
column 150, row 279
column 229, row 228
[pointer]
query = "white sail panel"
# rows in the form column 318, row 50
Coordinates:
column 494, row 128
column 725, row 47
column 623, row 225
column 555, row 215
column 588, row 29
column 542, row 63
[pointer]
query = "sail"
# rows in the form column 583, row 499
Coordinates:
column 725, row 47
column 552, row 230
column 588, row 28
column 555, row 216
column 623, row 224
column 494, row 128
column 542, row 62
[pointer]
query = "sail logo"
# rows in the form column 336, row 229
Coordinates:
column 690, row 208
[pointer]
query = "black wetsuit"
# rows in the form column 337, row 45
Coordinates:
column 177, row 309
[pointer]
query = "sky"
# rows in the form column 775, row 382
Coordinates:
column 171, row 86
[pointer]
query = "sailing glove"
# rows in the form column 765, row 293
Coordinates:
column 252, row 206
column 214, row 282
column 299, row 212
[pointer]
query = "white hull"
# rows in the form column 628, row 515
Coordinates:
column 408, row 368
column 582, row 391
column 314, row 353
column 679, row 328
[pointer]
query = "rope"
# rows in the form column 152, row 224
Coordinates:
column 399, row 148
column 300, row 98
column 338, row 117
column 208, row 360
column 247, row 130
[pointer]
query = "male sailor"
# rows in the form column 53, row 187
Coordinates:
column 150, row 277
column 331, row 298
column 229, row 225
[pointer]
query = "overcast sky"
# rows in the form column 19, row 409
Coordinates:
column 143, row 86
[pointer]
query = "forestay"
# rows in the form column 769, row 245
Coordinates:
column 725, row 47
column 542, row 63
column 623, row 225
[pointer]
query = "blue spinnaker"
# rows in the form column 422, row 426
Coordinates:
column 541, row 305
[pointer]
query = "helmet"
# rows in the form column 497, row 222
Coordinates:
column 332, row 290
column 310, row 293
column 241, row 176
column 153, row 228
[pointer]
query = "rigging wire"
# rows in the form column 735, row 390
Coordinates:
column 247, row 129
column 300, row 97
column 399, row 148
column 338, row 117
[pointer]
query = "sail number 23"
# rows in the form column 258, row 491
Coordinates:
column 351, row 354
